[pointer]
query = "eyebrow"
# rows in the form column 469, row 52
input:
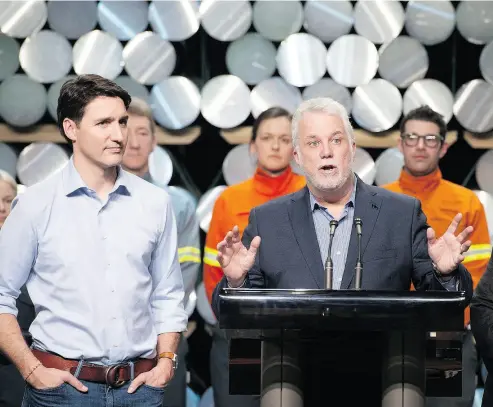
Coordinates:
column 110, row 119
column 272, row 134
column 336, row 133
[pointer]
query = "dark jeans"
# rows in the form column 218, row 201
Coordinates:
column 12, row 384
column 219, row 369
column 98, row 395
column 469, row 365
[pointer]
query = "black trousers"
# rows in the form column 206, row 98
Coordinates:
column 219, row 369
column 11, row 386
column 175, row 394
column 469, row 366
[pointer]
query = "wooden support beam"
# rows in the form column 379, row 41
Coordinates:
column 50, row 133
column 364, row 139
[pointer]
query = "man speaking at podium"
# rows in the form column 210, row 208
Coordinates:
column 287, row 241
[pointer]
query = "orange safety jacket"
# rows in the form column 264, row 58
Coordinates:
column 441, row 200
column 233, row 207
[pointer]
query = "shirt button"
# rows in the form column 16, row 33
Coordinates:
column 338, row 253
column 104, row 237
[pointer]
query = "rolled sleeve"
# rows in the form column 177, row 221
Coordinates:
column 18, row 251
column 168, row 294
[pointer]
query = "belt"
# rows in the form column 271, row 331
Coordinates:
column 115, row 375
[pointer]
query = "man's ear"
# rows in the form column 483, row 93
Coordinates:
column 443, row 149
column 154, row 142
column 70, row 129
column 399, row 145
column 296, row 156
column 252, row 148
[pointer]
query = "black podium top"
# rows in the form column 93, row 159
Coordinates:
column 341, row 309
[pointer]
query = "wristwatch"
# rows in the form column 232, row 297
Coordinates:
column 171, row 356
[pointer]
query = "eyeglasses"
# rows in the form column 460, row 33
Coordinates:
column 430, row 140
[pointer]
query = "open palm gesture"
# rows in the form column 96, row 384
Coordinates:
column 447, row 251
column 235, row 259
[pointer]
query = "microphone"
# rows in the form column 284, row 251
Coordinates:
column 359, row 267
column 329, row 267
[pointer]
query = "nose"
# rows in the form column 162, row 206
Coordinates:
column 421, row 143
column 3, row 206
column 275, row 145
column 118, row 133
column 132, row 141
column 326, row 149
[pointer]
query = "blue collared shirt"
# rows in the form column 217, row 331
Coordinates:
column 188, row 230
column 340, row 242
column 104, row 276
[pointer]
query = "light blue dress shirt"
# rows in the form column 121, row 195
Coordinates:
column 342, row 235
column 188, row 229
column 104, row 276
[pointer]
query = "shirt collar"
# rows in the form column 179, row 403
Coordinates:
column 315, row 205
column 72, row 181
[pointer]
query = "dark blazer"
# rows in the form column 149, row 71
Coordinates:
column 393, row 245
column 482, row 326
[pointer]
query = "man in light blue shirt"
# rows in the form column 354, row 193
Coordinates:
column 141, row 143
column 99, row 255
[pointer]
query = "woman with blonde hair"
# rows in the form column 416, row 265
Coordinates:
column 11, row 382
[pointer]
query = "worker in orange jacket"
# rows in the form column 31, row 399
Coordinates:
column 272, row 145
column 422, row 144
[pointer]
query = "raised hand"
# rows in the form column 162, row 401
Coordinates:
column 235, row 259
column 447, row 251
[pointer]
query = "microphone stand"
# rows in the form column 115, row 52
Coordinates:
column 359, row 266
column 329, row 266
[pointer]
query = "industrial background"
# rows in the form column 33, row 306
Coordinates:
column 208, row 68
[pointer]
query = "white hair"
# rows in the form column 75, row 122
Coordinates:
column 324, row 105
column 6, row 177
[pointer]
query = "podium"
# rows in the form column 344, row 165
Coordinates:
column 303, row 348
